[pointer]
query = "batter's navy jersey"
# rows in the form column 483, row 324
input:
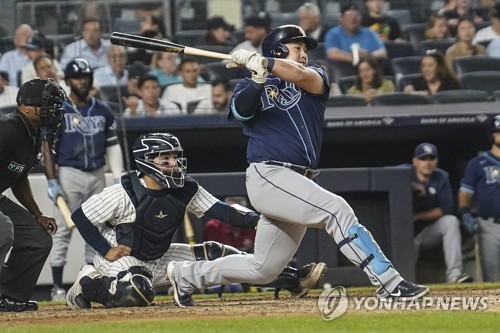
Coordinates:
column 482, row 179
column 19, row 148
column 84, row 135
column 288, row 126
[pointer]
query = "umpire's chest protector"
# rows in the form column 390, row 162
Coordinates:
column 159, row 214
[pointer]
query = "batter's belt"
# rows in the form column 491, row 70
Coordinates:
column 304, row 171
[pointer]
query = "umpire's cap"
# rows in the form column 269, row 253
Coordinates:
column 274, row 43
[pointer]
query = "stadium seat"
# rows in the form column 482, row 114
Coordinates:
column 407, row 79
column 403, row 16
column 214, row 48
column 341, row 69
column 400, row 98
column 191, row 106
column 414, row 33
column 404, row 66
column 345, row 100
column 460, row 96
column 470, row 64
column 398, row 49
column 127, row 25
column 347, row 82
column 7, row 109
column 278, row 19
column 496, row 95
column 440, row 45
column 485, row 81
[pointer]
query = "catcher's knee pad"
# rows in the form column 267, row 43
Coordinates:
column 365, row 242
column 212, row 250
column 132, row 287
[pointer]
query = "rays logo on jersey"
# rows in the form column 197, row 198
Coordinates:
column 492, row 174
column 283, row 98
column 84, row 125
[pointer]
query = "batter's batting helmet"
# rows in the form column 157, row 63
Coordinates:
column 274, row 43
column 149, row 146
column 77, row 68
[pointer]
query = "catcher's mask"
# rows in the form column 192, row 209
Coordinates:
column 161, row 157
column 48, row 96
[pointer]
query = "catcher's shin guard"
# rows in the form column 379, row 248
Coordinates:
column 132, row 287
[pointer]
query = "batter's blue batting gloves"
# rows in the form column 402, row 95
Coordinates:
column 469, row 222
column 54, row 190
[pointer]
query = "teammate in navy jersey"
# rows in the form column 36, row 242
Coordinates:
column 24, row 230
column 131, row 226
column 434, row 221
column 87, row 136
column 481, row 185
column 282, row 108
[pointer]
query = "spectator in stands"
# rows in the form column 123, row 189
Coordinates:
column 437, row 28
column 370, row 81
column 463, row 47
column 310, row 20
column 91, row 47
column 218, row 32
column 448, row 5
column 221, row 93
column 491, row 31
column 463, row 9
column 151, row 27
column 35, row 47
column 114, row 72
column 150, row 103
column 164, row 66
column 8, row 93
column 256, row 28
column 435, row 75
column 434, row 222
column 340, row 40
column 484, row 8
column 135, row 71
column 189, row 90
column 14, row 61
column 45, row 69
column 384, row 25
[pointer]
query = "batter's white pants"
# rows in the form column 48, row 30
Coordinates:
column 446, row 231
column 288, row 203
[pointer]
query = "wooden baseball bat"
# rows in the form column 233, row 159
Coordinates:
column 65, row 212
column 153, row 44
column 188, row 228
column 478, row 268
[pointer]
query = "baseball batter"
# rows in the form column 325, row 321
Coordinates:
column 282, row 108
column 86, row 138
column 131, row 226
column 481, row 184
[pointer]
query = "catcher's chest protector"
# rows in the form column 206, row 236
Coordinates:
column 158, row 215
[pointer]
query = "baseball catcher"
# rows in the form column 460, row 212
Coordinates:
column 131, row 226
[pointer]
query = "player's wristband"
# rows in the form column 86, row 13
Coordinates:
column 270, row 64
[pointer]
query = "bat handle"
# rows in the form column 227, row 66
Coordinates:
column 65, row 212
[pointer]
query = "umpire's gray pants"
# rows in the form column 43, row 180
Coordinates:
column 489, row 247
column 444, row 231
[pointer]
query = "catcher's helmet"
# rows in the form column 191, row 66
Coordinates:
column 149, row 146
column 274, row 43
column 78, row 67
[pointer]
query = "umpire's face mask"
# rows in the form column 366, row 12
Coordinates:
column 51, row 110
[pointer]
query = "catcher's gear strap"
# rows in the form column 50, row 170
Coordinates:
column 212, row 250
column 362, row 238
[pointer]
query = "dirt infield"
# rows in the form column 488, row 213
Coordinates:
column 231, row 306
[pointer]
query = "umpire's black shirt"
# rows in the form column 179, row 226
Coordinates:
column 19, row 148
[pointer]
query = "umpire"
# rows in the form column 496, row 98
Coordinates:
column 27, row 231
